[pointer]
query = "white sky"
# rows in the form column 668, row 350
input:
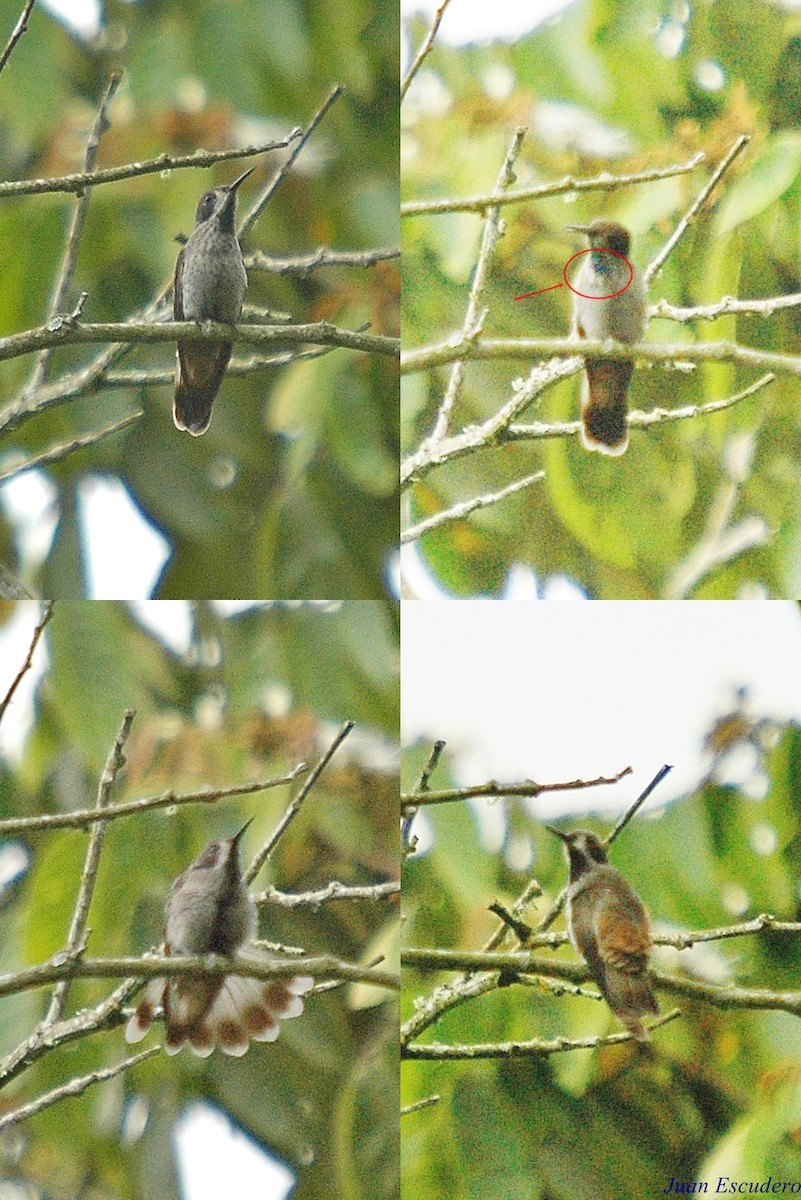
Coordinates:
column 564, row 691
column 477, row 20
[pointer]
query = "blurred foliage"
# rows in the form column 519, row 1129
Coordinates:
column 620, row 87
column 254, row 694
column 292, row 492
column 718, row 1095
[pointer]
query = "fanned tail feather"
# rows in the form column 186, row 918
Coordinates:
column 229, row 1013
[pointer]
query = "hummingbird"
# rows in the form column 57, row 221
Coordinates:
column 608, row 924
column 604, row 397
column 209, row 285
column 211, row 911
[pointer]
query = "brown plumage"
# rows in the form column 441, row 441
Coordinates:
column 609, row 926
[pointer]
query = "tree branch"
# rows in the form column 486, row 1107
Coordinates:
column 304, row 264
column 493, row 788
column 323, row 966
column 332, row 891
column 425, row 48
column 734, row 152
column 494, row 349
column 294, row 806
column 165, row 162
column 58, row 300
column 600, row 183
column 16, row 33
column 64, row 449
column 480, row 1050
column 73, row 1088
column 459, row 511
column 81, row 817
column 76, row 938
column 47, row 612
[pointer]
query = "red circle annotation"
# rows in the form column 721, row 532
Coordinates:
column 576, row 292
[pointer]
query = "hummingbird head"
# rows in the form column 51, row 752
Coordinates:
column 220, row 202
column 583, row 849
column 605, row 235
column 221, row 857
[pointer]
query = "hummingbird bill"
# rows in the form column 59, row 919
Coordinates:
column 211, row 911
column 209, row 285
column 621, row 315
column 609, row 926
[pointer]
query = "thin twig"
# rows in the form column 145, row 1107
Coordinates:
column 105, row 1015
column 16, row 33
column 76, row 937
column 62, row 451
column 425, row 48
column 600, row 183
column 408, row 843
column 493, row 788
column 655, row 267
column 323, row 966
column 304, row 264
column 725, row 307
column 73, row 1088
column 638, row 803
column 439, row 1052
column 294, row 806
column 165, row 162
column 266, row 193
column 87, row 816
column 459, row 511
column 47, row 612
column 722, row 541
column 63, row 282
column 474, row 316
column 419, row 1104
column 332, row 891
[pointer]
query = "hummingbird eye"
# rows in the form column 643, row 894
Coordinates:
column 206, row 206
column 208, row 858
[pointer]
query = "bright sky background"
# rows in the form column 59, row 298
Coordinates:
column 564, row 691
column 478, row 20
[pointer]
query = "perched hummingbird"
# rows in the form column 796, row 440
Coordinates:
column 608, row 925
column 604, row 397
column 210, row 283
column 211, row 911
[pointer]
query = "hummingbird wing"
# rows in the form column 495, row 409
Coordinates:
column 623, row 937
column 177, row 289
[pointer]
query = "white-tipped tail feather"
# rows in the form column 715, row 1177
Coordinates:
column 229, row 1013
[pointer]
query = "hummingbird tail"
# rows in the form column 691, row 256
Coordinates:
column 604, row 406
column 227, row 1012
column 630, row 996
column 201, row 367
